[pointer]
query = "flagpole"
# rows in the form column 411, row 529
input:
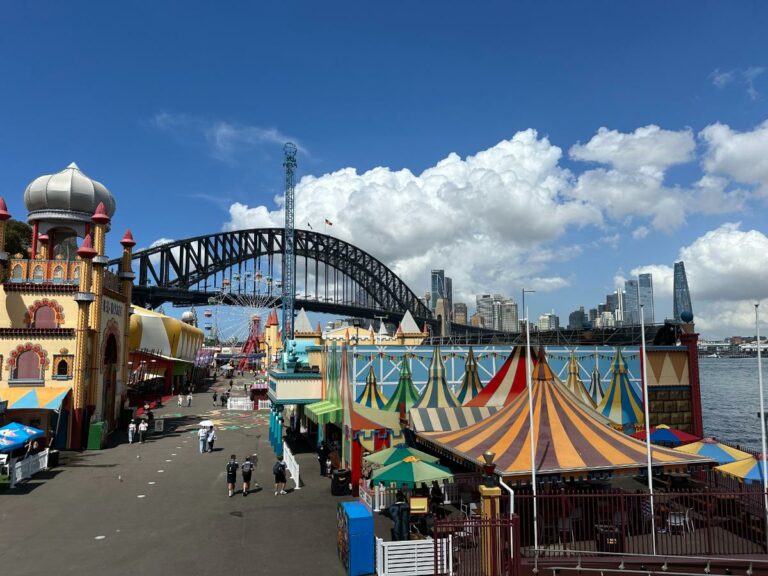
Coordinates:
column 647, row 417
column 531, row 426
column 762, row 411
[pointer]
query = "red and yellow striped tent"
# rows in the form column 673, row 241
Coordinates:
column 571, row 440
column 506, row 384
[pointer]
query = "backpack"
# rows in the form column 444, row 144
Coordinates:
column 247, row 467
column 231, row 467
column 277, row 468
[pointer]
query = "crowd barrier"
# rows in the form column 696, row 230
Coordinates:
column 293, row 466
column 28, row 467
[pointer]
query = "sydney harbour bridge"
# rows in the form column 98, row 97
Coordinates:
column 331, row 276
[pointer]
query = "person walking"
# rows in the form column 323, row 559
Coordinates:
column 202, row 437
column 211, row 438
column 180, row 401
column 232, row 467
column 322, row 455
column 131, row 431
column 278, row 470
column 143, row 427
column 189, row 399
column 215, row 396
column 247, row 469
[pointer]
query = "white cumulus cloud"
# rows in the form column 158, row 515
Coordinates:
column 740, row 156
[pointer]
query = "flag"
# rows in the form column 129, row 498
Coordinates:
column 328, row 222
column 309, row 226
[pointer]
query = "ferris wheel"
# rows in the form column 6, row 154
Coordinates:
column 239, row 307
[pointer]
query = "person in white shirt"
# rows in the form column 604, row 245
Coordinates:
column 202, row 436
column 143, row 427
column 131, row 431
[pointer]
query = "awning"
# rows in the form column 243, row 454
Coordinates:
column 34, row 398
column 323, row 412
column 15, row 435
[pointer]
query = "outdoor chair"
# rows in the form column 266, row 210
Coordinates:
column 680, row 521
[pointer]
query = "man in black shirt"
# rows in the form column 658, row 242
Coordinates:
column 232, row 467
column 247, row 469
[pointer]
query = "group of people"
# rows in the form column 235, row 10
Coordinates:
column 206, row 437
column 246, row 470
column 180, row 401
column 142, row 429
column 224, row 397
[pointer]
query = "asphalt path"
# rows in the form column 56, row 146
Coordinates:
column 161, row 508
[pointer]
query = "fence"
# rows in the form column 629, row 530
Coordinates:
column 705, row 523
column 414, row 557
column 480, row 546
column 239, row 403
column 462, row 489
column 28, row 467
column 293, row 466
column 264, row 405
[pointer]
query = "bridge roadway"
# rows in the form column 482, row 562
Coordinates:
column 88, row 516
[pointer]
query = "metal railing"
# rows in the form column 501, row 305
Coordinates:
column 688, row 523
column 264, row 405
column 28, row 467
column 239, row 403
column 480, row 546
column 413, row 557
column 293, row 466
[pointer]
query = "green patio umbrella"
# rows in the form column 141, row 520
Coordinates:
column 411, row 471
column 396, row 454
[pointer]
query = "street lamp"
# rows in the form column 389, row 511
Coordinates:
column 489, row 468
column 524, row 310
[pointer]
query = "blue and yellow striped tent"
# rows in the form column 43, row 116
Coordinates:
column 406, row 392
column 470, row 385
column 621, row 403
column 371, row 395
column 595, row 385
column 436, row 393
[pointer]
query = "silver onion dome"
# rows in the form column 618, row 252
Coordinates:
column 67, row 196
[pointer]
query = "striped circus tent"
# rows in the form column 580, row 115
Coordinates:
column 371, row 395
column 621, row 403
column 445, row 419
column 436, row 393
column 406, row 392
column 575, row 384
column 571, row 440
column 711, row 448
column 506, row 384
column 595, row 385
column 470, row 385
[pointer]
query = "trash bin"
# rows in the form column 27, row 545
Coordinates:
column 608, row 539
column 95, row 435
column 340, row 482
column 355, row 540
column 53, row 459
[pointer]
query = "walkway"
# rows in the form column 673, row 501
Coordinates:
column 161, row 508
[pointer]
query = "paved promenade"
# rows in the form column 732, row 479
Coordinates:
column 161, row 508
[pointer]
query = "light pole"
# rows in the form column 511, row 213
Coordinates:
column 647, row 417
column 524, row 310
column 531, row 425
column 762, row 408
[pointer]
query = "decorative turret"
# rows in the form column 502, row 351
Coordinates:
column 4, row 215
column 86, row 251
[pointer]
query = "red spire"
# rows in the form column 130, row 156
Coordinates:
column 100, row 216
column 128, row 241
column 86, row 251
column 4, row 214
column 319, row 330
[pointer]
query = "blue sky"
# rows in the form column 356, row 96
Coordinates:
column 590, row 140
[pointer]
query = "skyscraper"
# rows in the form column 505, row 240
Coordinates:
column 449, row 295
column 438, row 287
column 577, row 319
column 632, row 303
column 460, row 313
column 498, row 312
column 681, row 296
column 646, row 298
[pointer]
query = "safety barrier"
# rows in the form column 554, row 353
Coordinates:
column 264, row 405
column 31, row 465
column 239, row 403
column 413, row 557
column 293, row 466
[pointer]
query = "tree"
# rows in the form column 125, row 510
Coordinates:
column 18, row 238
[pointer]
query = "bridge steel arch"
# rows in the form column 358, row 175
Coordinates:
column 179, row 271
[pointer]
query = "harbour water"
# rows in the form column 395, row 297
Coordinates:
column 730, row 399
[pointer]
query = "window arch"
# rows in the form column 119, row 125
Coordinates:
column 62, row 368
column 17, row 272
column 58, row 274
column 37, row 274
column 45, row 317
column 27, row 366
